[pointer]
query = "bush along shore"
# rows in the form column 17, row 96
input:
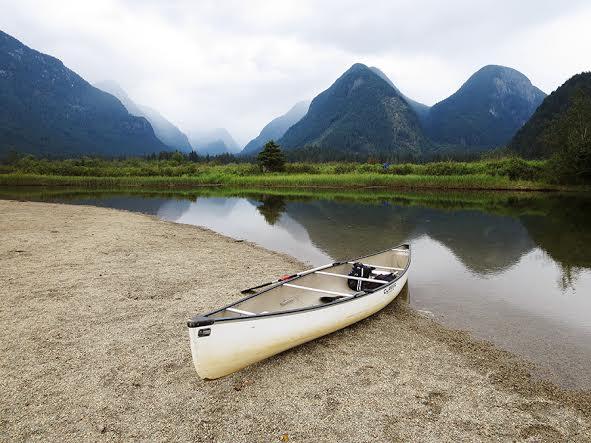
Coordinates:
column 178, row 172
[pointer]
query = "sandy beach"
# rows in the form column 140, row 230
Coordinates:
column 94, row 347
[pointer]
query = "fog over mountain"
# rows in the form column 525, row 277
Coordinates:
column 48, row 109
column 238, row 65
column 166, row 131
column 213, row 142
column 275, row 129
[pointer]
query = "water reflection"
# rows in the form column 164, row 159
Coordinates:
column 485, row 243
column 271, row 207
column 244, row 219
column 512, row 269
column 564, row 233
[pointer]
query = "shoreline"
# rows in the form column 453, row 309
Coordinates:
column 110, row 290
column 470, row 182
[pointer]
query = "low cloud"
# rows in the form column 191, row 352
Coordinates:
column 239, row 64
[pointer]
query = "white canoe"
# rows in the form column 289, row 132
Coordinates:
column 290, row 312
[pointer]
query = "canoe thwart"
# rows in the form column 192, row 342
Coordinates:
column 324, row 291
column 372, row 280
column 379, row 266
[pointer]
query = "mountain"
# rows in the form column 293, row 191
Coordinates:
column 48, row 109
column 360, row 114
column 275, row 129
column 486, row 111
column 531, row 141
column 420, row 109
column 214, row 142
column 166, row 132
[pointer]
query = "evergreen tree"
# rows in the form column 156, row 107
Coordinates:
column 570, row 138
column 271, row 158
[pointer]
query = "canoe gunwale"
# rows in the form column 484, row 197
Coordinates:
column 198, row 320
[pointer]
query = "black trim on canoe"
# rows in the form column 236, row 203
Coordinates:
column 198, row 321
column 205, row 320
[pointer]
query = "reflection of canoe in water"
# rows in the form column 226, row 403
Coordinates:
column 295, row 310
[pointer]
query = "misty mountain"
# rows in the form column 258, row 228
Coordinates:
column 531, row 141
column 48, row 109
column 213, row 142
column 275, row 129
column 361, row 113
column 486, row 111
column 167, row 132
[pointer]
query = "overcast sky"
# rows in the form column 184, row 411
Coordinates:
column 238, row 64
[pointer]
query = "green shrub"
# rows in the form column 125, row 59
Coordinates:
column 367, row 168
column 302, row 168
column 344, row 168
column 516, row 169
column 402, row 169
column 446, row 168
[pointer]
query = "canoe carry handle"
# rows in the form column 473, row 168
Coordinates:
column 327, row 299
column 199, row 321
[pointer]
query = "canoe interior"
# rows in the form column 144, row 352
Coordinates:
column 284, row 298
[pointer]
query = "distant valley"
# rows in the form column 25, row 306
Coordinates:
column 277, row 127
column 214, row 142
column 166, row 131
column 49, row 110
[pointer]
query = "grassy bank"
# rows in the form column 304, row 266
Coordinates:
column 503, row 174
column 350, row 181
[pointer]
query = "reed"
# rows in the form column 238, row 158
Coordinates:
column 499, row 174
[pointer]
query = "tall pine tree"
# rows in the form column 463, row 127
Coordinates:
column 271, row 158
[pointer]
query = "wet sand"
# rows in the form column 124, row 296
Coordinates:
column 94, row 347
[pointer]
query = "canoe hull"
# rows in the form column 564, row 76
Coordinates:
column 233, row 345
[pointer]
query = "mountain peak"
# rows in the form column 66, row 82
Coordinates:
column 421, row 110
column 48, row 109
column 487, row 110
column 502, row 80
column 356, row 67
column 361, row 114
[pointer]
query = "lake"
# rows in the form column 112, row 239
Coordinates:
column 514, row 269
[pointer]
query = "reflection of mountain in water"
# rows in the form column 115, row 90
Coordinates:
column 217, row 207
column 485, row 243
column 151, row 206
column 564, row 233
column 486, row 240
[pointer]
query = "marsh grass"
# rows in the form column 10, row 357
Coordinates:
column 476, row 181
column 501, row 174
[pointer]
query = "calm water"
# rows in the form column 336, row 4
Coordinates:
column 513, row 269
